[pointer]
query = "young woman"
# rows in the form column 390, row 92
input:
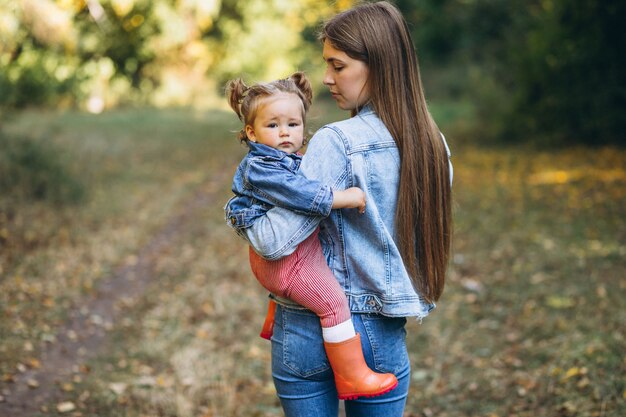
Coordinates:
column 390, row 261
column 274, row 115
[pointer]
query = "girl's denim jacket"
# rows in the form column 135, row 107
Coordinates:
column 269, row 177
column 360, row 248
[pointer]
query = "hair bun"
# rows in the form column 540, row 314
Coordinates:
column 303, row 84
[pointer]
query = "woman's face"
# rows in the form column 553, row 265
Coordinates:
column 346, row 78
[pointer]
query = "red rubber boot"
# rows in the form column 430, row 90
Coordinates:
column 353, row 377
column 268, row 325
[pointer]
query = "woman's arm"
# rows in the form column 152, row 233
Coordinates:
column 280, row 231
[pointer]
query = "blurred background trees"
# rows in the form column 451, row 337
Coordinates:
column 550, row 70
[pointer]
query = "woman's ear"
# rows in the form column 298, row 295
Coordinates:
column 250, row 133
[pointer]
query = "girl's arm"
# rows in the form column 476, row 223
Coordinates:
column 278, row 186
column 353, row 197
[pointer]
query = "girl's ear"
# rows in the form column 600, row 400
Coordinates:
column 250, row 133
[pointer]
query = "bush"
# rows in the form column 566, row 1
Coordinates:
column 36, row 170
column 30, row 80
column 569, row 77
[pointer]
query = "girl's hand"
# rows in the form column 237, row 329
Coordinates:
column 352, row 197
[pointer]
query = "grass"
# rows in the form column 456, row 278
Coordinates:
column 138, row 165
column 530, row 323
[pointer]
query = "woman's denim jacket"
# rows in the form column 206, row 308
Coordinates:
column 269, row 177
column 360, row 248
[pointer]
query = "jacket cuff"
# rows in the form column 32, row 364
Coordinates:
column 323, row 202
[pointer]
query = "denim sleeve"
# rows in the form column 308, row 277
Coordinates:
column 276, row 185
column 280, row 231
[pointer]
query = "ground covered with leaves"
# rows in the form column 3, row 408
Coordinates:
column 530, row 323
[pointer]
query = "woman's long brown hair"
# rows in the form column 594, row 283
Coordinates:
column 378, row 35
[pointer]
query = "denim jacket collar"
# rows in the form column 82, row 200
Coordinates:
column 258, row 149
column 367, row 108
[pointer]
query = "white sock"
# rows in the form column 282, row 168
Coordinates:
column 339, row 333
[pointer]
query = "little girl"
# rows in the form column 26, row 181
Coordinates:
column 274, row 117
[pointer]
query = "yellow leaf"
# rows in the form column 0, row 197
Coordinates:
column 571, row 372
column 161, row 381
column 560, row 302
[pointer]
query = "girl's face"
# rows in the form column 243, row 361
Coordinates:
column 279, row 123
column 346, row 78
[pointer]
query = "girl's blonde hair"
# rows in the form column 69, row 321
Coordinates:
column 378, row 35
column 245, row 100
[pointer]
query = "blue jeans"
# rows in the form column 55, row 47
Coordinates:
column 304, row 380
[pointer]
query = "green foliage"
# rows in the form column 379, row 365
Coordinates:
column 30, row 79
column 124, row 37
column 569, row 75
column 153, row 52
column 543, row 71
column 35, row 170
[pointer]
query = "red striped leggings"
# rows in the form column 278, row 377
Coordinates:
column 304, row 277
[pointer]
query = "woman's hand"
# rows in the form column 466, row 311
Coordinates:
column 352, row 197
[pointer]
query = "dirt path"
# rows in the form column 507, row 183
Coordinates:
column 85, row 334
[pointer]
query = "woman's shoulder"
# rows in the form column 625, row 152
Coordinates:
column 360, row 129
column 364, row 117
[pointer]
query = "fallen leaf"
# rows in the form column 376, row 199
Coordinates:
column 583, row 383
column 148, row 381
column 419, row 375
column 34, row 363
column 574, row 371
column 202, row 334
column 67, row 387
column 66, row 407
column 118, row 387
column 560, row 302
column 472, row 285
column 568, row 407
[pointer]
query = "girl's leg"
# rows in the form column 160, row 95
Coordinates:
column 384, row 347
column 305, row 278
column 302, row 376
